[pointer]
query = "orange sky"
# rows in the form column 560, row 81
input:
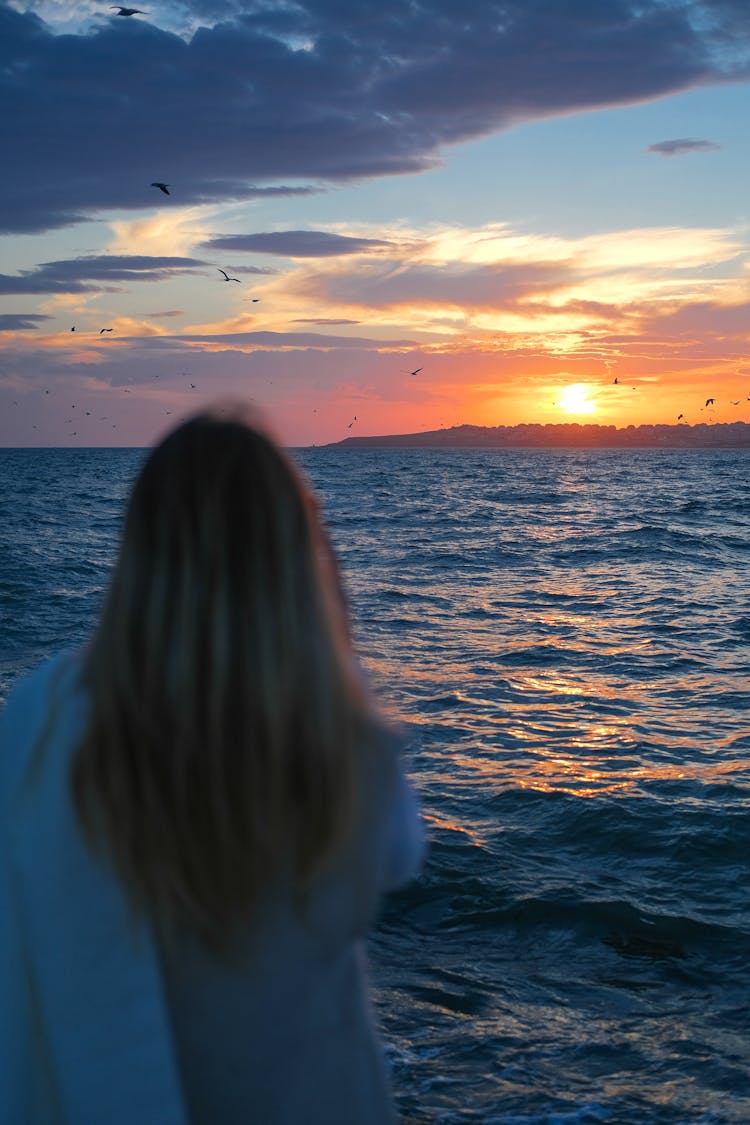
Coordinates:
column 505, row 328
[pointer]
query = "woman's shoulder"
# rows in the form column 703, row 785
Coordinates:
column 31, row 703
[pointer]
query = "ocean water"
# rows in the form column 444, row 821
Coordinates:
column 566, row 636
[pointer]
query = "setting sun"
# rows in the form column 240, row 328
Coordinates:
column 575, row 399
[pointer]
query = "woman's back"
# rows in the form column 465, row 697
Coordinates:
column 200, row 813
column 282, row 1031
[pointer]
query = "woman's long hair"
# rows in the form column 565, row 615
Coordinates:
column 226, row 712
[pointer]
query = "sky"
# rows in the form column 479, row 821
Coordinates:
column 433, row 214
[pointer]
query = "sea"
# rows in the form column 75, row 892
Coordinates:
column 565, row 638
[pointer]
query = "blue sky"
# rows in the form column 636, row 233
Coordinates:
column 518, row 198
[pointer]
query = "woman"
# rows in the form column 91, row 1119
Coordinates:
column 200, row 813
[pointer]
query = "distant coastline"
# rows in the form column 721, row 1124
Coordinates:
column 567, row 435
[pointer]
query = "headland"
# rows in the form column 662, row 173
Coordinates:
column 566, row 435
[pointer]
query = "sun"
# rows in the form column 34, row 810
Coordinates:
column 575, row 399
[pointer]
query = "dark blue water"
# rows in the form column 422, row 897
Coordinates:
column 567, row 635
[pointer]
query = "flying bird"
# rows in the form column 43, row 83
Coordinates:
column 105, row 330
column 161, row 187
column 737, row 402
column 414, row 372
column 127, row 11
column 680, row 416
column 710, row 401
column 228, row 278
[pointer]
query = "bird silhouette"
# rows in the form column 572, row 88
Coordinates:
column 105, row 330
column 161, row 187
column 615, row 382
column 710, row 401
column 127, row 11
column 228, row 278
column 414, row 372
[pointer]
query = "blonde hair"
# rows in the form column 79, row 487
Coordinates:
column 226, row 712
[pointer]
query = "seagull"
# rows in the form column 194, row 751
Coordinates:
column 680, row 416
column 710, row 401
column 228, row 278
column 161, row 187
column 105, row 330
column 127, row 11
column 414, row 372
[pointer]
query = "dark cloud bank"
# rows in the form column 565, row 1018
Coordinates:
column 279, row 97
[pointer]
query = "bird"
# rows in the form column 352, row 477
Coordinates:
column 228, row 278
column 105, row 330
column 615, row 382
column 73, row 328
column 414, row 372
column 127, row 11
column 710, row 401
column 680, row 416
column 253, row 299
column 161, row 187
column 736, row 402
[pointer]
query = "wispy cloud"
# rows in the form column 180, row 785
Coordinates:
column 95, row 272
column 20, row 322
column 681, row 146
column 297, row 243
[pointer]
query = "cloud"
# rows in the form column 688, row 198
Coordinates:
column 274, row 341
column 682, row 145
column 323, row 320
column 20, row 322
column 472, row 279
column 427, row 284
column 83, row 275
column 316, row 90
column 297, row 243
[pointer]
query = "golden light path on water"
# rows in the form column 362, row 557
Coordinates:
column 589, row 769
